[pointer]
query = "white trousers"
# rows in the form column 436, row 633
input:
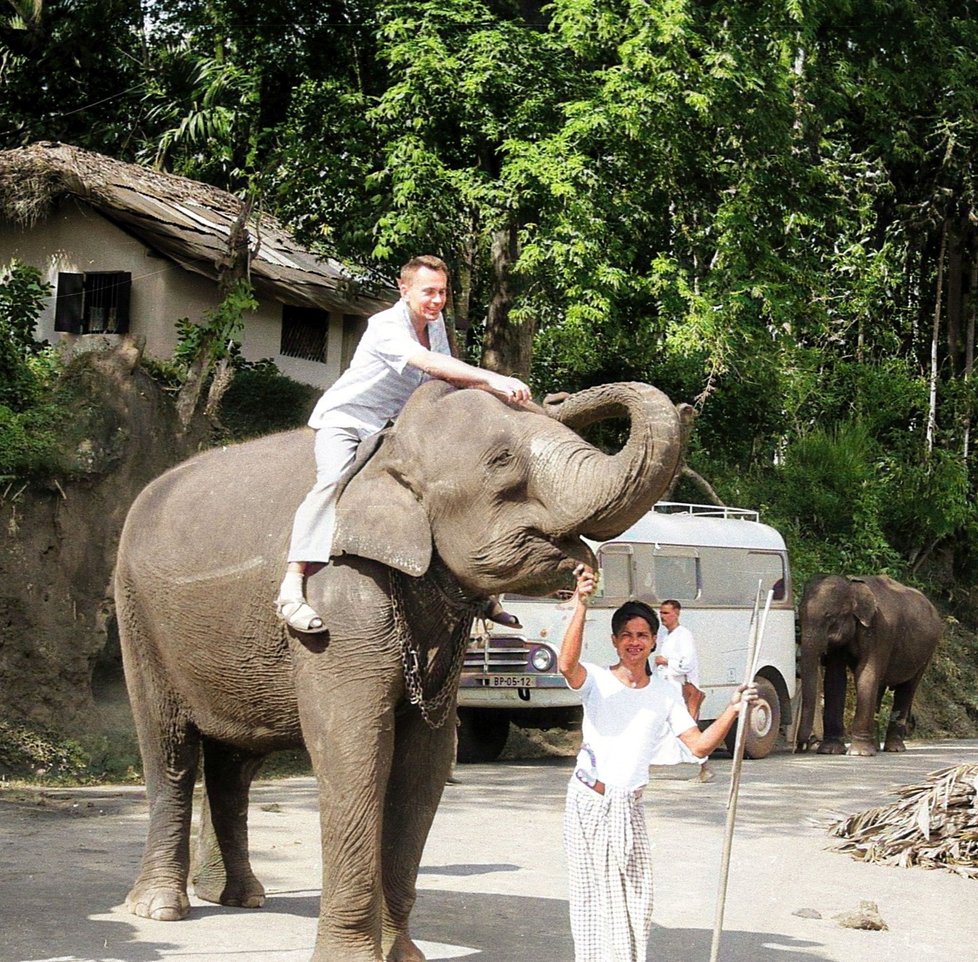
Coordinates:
column 315, row 520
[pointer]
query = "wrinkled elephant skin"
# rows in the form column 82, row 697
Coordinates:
column 466, row 496
column 885, row 634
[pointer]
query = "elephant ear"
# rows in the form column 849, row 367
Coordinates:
column 379, row 517
column 863, row 603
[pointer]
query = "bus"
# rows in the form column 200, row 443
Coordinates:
column 713, row 560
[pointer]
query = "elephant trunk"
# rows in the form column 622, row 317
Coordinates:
column 597, row 495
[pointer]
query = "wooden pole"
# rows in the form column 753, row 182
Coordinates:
column 753, row 654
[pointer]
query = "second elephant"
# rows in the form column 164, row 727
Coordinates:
column 885, row 634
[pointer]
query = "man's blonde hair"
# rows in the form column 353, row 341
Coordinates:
column 424, row 260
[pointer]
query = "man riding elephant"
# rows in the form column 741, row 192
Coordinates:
column 497, row 498
column 401, row 348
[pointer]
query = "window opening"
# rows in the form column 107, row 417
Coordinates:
column 96, row 302
column 305, row 332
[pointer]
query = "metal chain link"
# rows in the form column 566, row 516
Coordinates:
column 434, row 710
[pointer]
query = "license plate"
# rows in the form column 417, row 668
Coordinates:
column 512, row 681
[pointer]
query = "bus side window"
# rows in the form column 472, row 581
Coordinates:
column 769, row 570
column 677, row 573
column 616, row 580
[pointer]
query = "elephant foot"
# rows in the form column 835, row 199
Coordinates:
column 894, row 744
column 862, row 746
column 404, row 950
column 832, row 746
column 245, row 893
column 158, row 903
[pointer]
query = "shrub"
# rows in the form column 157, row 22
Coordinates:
column 262, row 400
column 32, row 751
column 22, row 295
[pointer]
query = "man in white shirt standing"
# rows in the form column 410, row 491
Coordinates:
column 401, row 348
column 675, row 657
column 631, row 721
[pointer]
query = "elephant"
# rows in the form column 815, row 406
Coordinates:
column 886, row 633
column 465, row 497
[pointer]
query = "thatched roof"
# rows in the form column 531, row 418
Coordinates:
column 183, row 220
column 934, row 824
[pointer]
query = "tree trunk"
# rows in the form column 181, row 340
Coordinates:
column 970, row 310
column 935, row 339
column 466, row 272
column 955, row 294
column 232, row 269
column 507, row 347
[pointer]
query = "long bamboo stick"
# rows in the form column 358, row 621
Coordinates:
column 753, row 655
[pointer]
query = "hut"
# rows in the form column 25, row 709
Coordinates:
column 131, row 251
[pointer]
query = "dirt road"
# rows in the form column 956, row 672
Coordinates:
column 492, row 883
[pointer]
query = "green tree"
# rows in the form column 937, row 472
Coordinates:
column 22, row 296
column 73, row 70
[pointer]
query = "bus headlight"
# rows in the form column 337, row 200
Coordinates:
column 542, row 658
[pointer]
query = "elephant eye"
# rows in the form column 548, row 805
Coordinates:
column 502, row 458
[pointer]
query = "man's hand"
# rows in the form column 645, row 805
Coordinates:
column 587, row 583
column 509, row 388
column 744, row 693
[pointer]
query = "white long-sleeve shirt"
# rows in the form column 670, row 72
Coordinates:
column 679, row 648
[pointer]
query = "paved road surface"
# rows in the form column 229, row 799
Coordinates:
column 492, row 883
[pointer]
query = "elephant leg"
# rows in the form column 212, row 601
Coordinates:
column 170, row 747
column 222, row 872
column 868, row 696
column 346, row 701
column 896, row 731
column 833, row 733
column 421, row 766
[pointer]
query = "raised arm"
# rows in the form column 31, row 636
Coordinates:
column 451, row 369
column 569, row 661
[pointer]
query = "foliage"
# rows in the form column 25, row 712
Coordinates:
column 33, row 751
column 30, row 421
column 261, row 400
column 73, row 72
column 760, row 207
column 37, row 754
column 207, row 130
column 214, row 337
column 22, row 297
column 31, row 443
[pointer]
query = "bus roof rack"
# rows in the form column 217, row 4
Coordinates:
column 706, row 510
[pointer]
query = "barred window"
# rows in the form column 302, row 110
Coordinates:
column 96, row 302
column 305, row 333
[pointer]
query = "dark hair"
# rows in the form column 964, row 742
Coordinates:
column 675, row 605
column 634, row 609
column 423, row 260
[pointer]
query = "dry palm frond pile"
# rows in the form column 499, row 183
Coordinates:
column 934, row 825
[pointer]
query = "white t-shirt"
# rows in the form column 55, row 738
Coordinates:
column 678, row 646
column 378, row 382
column 627, row 729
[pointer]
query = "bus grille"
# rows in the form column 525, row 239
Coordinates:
column 494, row 653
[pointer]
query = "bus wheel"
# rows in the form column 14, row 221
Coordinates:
column 482, row 733
column 764, row 723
